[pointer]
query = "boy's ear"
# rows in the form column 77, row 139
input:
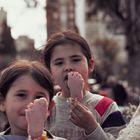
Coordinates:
column 91, row 65
column 2, row 104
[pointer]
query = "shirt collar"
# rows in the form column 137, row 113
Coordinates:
column 8, row 132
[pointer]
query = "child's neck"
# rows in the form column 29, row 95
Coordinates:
column 18, row 132
column 67, row 94
column 64, row 94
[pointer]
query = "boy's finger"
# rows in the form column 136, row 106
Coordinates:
column 81, row 107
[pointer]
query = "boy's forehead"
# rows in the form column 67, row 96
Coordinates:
column 67, row 42
column 67, row 51
column 67, row 46
column 60, row 41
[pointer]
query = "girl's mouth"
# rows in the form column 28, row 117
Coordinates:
column 23, row 114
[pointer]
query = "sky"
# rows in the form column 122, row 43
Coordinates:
column 26, row 21
column 32, row 21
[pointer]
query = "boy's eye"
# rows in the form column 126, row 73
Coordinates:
column 58, row 63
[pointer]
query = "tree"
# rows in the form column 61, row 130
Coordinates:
column 107, row 63
column 124, row 15
column 7, row 46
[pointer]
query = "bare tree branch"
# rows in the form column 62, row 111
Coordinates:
column 31, row 3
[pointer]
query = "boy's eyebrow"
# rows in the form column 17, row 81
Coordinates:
column 73, row 56
column 57, row 59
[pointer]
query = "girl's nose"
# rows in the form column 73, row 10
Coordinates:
column 30, row 100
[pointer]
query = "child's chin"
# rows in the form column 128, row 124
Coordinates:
column 24, row 124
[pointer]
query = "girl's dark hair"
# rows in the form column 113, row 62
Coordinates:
column 66, row 37
column 24, row 67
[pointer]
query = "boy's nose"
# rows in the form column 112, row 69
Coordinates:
column 68, row 68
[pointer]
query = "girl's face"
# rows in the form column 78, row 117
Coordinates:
column 23, row 91
column 66, row 58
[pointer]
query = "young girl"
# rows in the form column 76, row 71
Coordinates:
column 68, row 57
column 26, row 92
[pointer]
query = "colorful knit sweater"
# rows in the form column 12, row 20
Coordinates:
column 104, row 109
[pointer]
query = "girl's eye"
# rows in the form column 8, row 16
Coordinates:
column 21, row 95
column 40, row 96
column 76, row 60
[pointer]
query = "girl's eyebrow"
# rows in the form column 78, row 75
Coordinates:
column 41, row 93
column 21, row 90
column 75, row 56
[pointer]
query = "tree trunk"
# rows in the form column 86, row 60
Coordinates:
column 134, row 70
column 133, row 42
column 133, row 46
column 52, row 16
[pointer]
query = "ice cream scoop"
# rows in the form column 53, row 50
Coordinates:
column 75, row 85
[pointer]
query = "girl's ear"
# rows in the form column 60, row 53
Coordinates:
column 91, row 65
column 2, row 104
column 51, row 105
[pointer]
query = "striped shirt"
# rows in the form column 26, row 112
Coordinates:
column 104, row 109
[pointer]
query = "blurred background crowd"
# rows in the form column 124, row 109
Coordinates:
column 111, row 28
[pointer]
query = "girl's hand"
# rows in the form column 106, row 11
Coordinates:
column 36, row 114
column 82, row 117
column 75, row 85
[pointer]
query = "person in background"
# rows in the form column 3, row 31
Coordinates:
column 68, row 57
column 26, row 92
column 119, row 93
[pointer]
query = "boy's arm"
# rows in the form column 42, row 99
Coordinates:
column 83, row 117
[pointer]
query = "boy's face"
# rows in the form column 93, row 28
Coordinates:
column 23, row 91
column 66, row 58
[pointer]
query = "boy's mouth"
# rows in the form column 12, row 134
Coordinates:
column 66, row 78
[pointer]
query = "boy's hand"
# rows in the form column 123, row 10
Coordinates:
column 82, row 117
column 36, row 114
column 76, row 85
